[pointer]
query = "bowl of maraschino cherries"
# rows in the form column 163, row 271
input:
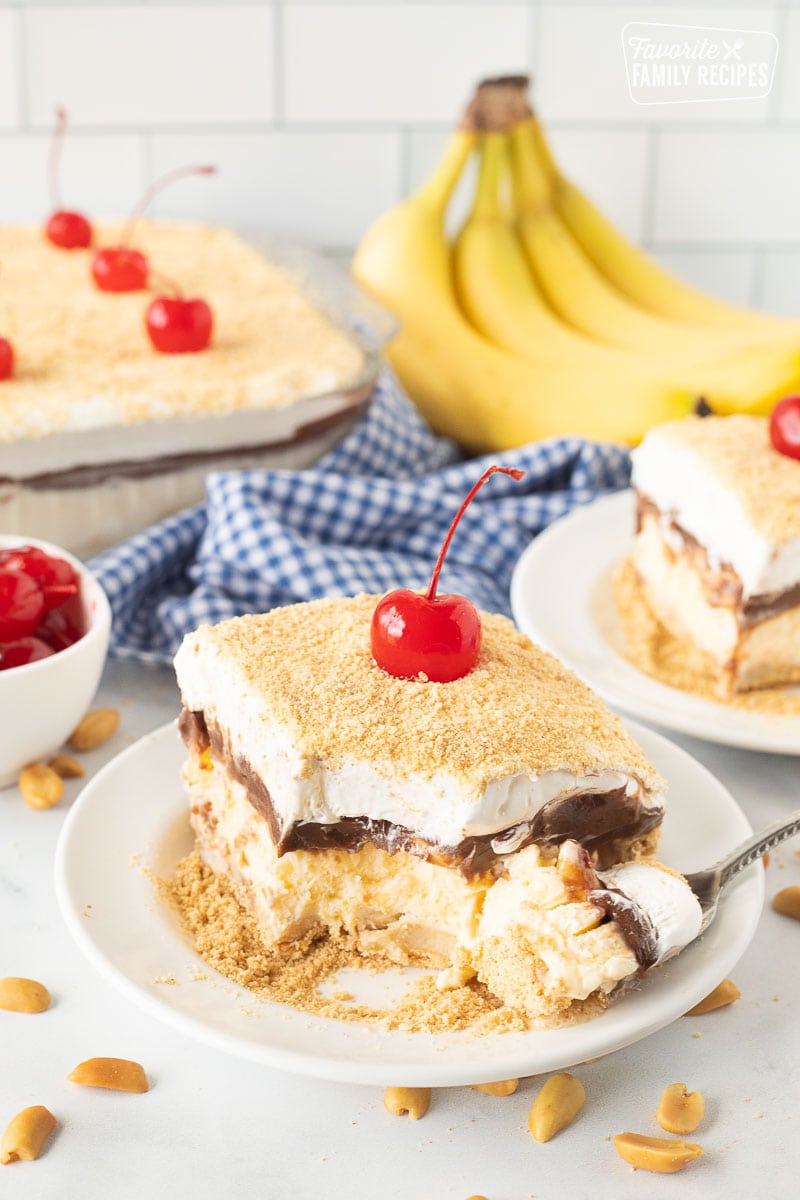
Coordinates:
column 55, row 622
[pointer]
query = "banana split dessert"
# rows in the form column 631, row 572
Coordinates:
column 109, row 421
column 478, row 811
column 717, row 547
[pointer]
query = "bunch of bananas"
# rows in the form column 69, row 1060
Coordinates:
column 540, row 318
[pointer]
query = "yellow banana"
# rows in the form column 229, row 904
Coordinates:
column 495, row 287
column 633, row 272
column 500, row 299
column 483, row 396
column 582, row 296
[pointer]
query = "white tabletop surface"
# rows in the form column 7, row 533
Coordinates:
column 214, row 1126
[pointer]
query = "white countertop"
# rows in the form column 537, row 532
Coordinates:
column 214, row 1126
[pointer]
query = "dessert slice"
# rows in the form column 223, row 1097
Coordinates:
column 718, row 544
column 428, row 822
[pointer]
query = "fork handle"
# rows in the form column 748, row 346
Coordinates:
column 755, row 846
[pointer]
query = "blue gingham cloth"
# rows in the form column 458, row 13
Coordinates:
column 370, row 516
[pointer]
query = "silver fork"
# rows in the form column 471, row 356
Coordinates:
column 707, row 885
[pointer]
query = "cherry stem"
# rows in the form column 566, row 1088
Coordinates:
column 152, row 191
column 54, row 164
column 514, row 472
column 166, row 284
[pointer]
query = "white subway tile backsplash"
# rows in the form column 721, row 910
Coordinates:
column 780, row 291
column 581, row 76
column 150, row 66
column 322, row 113
column 725, row 187
column 9, row 81
column 789, row 108
column 323, row 187
column 729, row 275
column 408, row 62
column 100, row 176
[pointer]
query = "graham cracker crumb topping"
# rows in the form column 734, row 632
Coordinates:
column 83, row 358
column 737, row 450
column 308, row 668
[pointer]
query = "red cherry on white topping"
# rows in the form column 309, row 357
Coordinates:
column 179, row 326
column 64, row 228
column 6, row 359
column 120, row 268
column 784, row 426
column 438, row 637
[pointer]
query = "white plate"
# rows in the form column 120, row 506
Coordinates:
column 135, row 805
column 562, row 597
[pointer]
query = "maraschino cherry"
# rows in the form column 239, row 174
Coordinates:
column 784, row 426
column 6, row 359
column 428, row 636
column 65, row 228
column 120, row 268
column 176, row 325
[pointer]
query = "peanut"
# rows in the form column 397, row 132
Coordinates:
column 503, row 1087
column 26, row 1134
column 67, row 767
column 120, row 1074
column 724, row 993
column 787, row 902
column 94, row 729
column 414, row 1101
column 23, row 995
column 556, row 1106
column 40, row 786
column 655, row 1154
column 680, row 1111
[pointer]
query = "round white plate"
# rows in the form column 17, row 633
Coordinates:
column 133, row 814
column 562, row 598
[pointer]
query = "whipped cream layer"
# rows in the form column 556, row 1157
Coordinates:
column 95, row 435
column 436, row 806
column 685, row 489
column 668, row 904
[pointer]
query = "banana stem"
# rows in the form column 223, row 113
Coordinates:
column 486, row 204
column 531, row 184
column 436, row 193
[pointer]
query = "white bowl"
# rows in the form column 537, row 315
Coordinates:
column 42, row 702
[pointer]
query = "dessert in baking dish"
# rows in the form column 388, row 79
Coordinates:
column 100, row 434
column 718, row 544
column 466, row 824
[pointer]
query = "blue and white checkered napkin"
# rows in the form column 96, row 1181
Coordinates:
column 370, row 516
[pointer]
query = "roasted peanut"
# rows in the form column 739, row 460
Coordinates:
column 40, row 786
column 120, row 1074
column 787, row 902
column 503, row 1087
column 94, row 729
column 67, row 767
column 26, row 1134
column 655, row 1154
column 401, row 1100
column 680, row 1111
column 724, row 993
column 23, row 995
column 556, row 1106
